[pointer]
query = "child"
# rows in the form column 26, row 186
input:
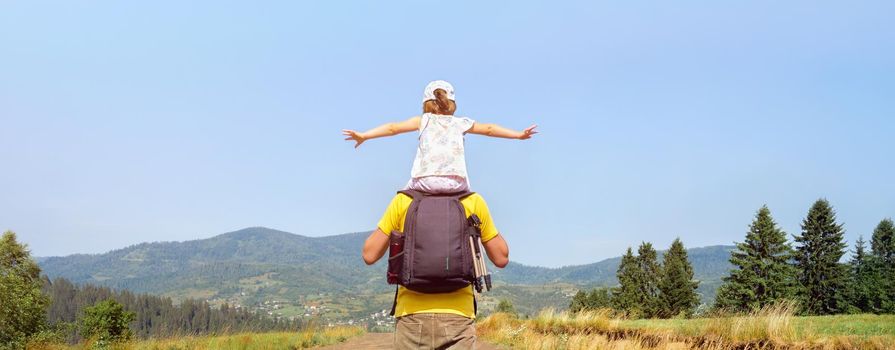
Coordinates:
column 440, row 163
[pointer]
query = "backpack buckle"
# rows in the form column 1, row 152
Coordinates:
column 475, row 221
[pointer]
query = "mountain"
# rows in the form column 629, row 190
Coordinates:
column 206, row 266
column 257, row 264
column 710, row 265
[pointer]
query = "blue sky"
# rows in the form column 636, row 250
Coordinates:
column 127, row 122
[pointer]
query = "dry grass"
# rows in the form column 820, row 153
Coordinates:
column 773, row 323
column 769, row 328
column 245, row 341
column 599, row 321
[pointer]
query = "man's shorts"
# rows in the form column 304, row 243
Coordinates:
column 434, row 331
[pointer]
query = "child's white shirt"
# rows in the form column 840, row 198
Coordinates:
column 440, row 151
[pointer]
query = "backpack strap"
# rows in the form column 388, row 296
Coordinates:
column 463, row 194
column 395, row 302
column 413, row 193
column 420, row 194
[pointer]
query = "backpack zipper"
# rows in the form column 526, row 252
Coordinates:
column 413, row 217
column 447, row 255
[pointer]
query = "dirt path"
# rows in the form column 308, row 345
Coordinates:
column 383, row 341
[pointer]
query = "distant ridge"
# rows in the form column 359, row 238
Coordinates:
column 266, row 263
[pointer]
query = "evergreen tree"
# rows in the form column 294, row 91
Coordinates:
column 883, row 242
column 866, row 287
column 579, row 302
column 677, row 288
column 22, row 304
column 882, row 245
column 822, row 277
column 624, row 296
column 762, row 272
column 599, row 298
column 730, row 293
column 649, row 273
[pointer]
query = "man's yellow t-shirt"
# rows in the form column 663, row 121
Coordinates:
column 459, row 302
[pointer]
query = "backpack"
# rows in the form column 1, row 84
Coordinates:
column 434, row 253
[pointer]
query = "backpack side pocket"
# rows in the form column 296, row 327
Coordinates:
column 395, row 257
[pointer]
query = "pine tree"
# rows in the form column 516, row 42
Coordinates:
column 579, row 302
column 22, row 303
column 883, row 242
column 599, row 298
column 866, row 285
column 677, row 289
column 649, row 273
column 882, row 245
column 762, row 272
column 823, row 279
column 624, row 296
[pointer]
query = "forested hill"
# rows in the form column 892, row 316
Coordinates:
column 218, row 265
column 709, row 264
column 261, row 263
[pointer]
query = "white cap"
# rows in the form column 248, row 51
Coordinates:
column 429, row 93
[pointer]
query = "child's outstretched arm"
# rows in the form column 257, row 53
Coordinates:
column 387, row 129
column 495, row 130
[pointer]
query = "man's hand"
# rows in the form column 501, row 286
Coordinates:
column 528, row 132
column 354, row 135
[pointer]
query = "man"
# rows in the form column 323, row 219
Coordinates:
column 442, row 320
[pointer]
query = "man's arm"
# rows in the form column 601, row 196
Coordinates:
column 388, row 129
column 498, row 251
column 375, row 247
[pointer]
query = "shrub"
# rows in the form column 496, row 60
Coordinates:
column 107, row 322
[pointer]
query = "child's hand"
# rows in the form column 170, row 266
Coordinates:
column 528, row 132
column 354, row 135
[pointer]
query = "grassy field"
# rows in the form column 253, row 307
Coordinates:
column 774, row 328
column 245, row 341
column 860, row 326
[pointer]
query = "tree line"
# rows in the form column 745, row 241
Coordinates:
column 768, row 270
column 646, row 288
column 156, row 316
column 32, row 307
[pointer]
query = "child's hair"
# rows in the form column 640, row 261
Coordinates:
column 440, row 105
